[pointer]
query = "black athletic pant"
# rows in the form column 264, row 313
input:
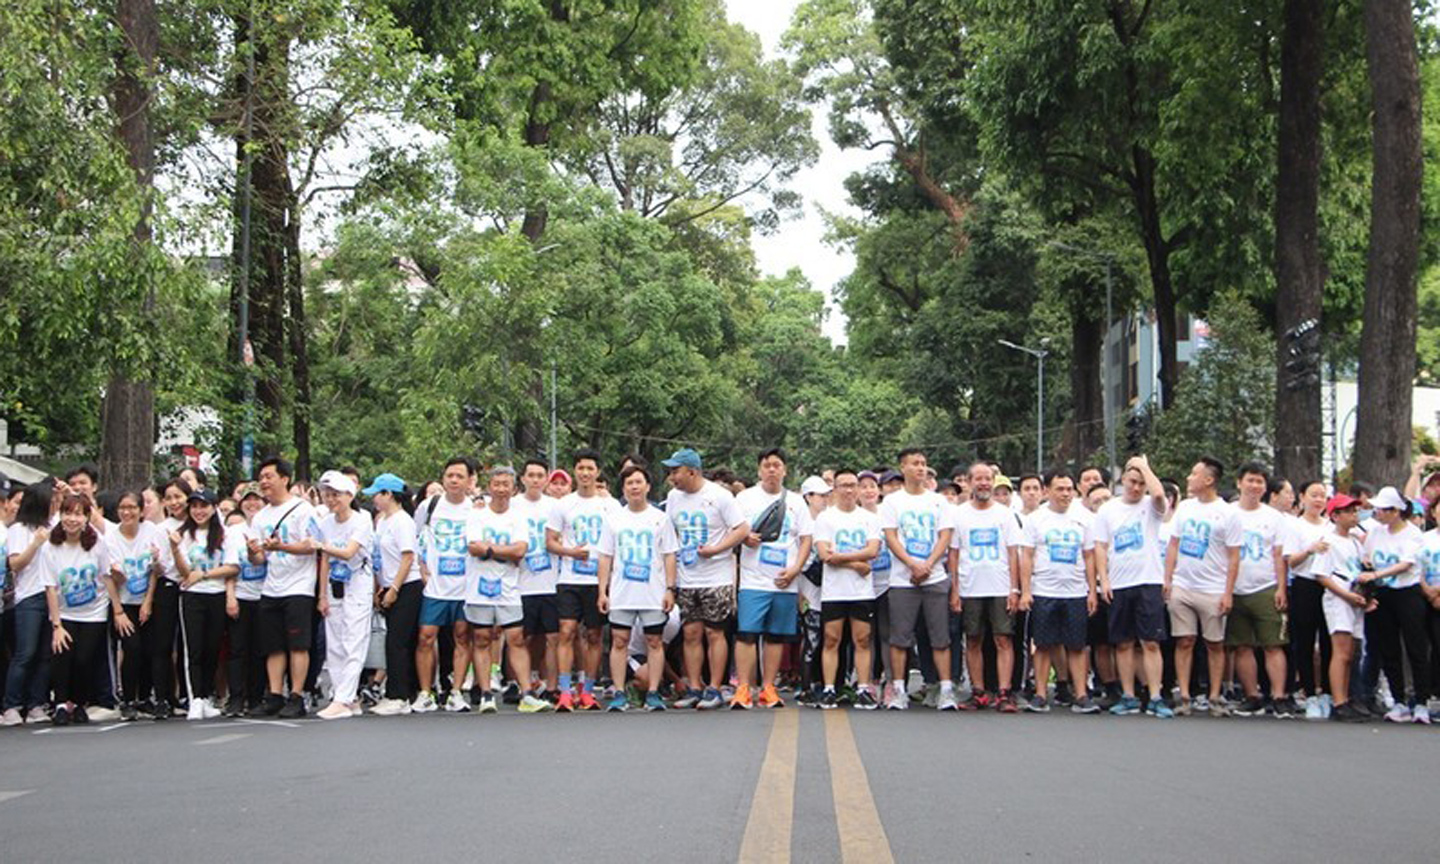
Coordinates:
column 245, row 667
column 1307, row 624
column 402, row 625
column 135, row 666
column 202, row 622
column 1400, row 616
column 160, row 638
column 72, row 673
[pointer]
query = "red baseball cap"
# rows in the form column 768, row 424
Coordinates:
column 1339, row 502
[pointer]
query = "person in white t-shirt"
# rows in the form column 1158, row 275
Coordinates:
column 768, row 602
column 446, row 568
column 498, row 537
column 136, row 560
column 1392, row 550
column 847, row 539
column 398, row 587
column 637, row 584
column 984, row 562
column 74, row 569
column 1256, row 580
column 282, row 538
column 1127, row 562
column 206, row 557
column 1307, row 539
column 539, row 574
column 1338, row 568
column 709, row 525
column 572, row 536
column 917, row 531
column 1197, row 566
column 343, row 537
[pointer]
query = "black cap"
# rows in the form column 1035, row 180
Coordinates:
column 205, row 495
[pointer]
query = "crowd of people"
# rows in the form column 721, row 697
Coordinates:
column 557, row 590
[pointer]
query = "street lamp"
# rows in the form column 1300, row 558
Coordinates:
column 1039, row 354
column 1107, row 410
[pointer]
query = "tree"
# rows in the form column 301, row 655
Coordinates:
column 1387, row 341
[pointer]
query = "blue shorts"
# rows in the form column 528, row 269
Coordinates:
column 440, row 613
column 1059, row 621
column 768, row 613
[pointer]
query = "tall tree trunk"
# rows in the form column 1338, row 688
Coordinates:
column 1157, row 255
column 1387, row 340
column 299, row 337
column 127, row 413
column 1085, row 433
column 1299, row 276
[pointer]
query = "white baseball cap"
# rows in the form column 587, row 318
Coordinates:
column 814, row 485
column 337, row 482
column 1388, row 499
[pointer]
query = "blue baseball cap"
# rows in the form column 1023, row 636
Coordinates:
column 385, row 483
column 684, row 458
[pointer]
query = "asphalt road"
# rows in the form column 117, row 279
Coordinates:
column 818, row 786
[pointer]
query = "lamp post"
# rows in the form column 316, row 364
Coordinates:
column 1039, row 354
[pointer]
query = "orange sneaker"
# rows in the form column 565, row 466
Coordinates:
column 588, row 703
column 741, row 700
column 769, row 698
column 566, row 702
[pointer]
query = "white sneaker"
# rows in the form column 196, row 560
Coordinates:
column 1400, row 713
column 424, row 703
column 456, row 704
column 1433, row 705
column 1421, row 714
column 207, row 707
column 101, row 714
column 392, row 707
column 334, row 711
column 915, row 684
column 196, row 711
column 946, row 701
column 1327, row 704
column 11, row 718
column 358, row 709
column 899, row 699
column 37, row 715
column 1313, row 711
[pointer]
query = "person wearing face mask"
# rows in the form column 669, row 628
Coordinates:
column 343, row 539
column 1391, row 550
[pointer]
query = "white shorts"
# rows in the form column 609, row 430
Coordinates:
column 1341, row 617
column 495, row 616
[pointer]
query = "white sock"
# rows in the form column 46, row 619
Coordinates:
column 947, row 686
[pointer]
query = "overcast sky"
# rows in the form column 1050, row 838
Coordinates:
column 799, row 242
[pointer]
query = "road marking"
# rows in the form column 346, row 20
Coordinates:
column 224, row 739
column 862, row 836
column 113, row 726
column 10, row 796
column 772, row 810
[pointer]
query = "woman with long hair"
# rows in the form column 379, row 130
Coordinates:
column 79, row 595
column 344, row 536
column 27, row 682
column 398, row 590
column 206, row 557
column 163, row 615
column 1310, row 535
column 245, row 671
column 136, row 560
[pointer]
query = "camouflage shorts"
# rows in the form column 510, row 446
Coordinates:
column 710, row 605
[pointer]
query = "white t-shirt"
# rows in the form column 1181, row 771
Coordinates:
column 359, row 528
column 703, row 519
column 919, row 522
column 287, row 575
column 847, row 532
column 1429, row 560
column 636, row 544
column 493, row 581
column 1341, row 561
column 540, row 569
column 135, row 558
column 394, row 536
column 1385, row 549
column 1204, row 532
column 251, row 581
column 883, row 565
column 168, row 569
column 1257, row 533
column 760, row 566
column 78, row 578
column 195, row 552
column 1131, row 533
column 28, row 580
column 447, row 553
column 1060, row 541
column 580, row 522
column 983, row 539
column 1300, row 536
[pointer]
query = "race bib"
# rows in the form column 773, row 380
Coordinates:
column 636, row 572
column 377, row 561
column 253, row 572
column 1064, row 553
column 452, row 566
column 882, row 561
column 1194, row 539
column 490, row 587
column 79, row 586
column 917, row 548
column 984, row 544
column 689, row 555
column 584, row 567
column 1129, row 537
column 339, row 571
column 137, row 575
column 773, row 556
column 537, row 562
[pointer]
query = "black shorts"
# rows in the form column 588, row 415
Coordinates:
column 1138, row 612
column 542, row 614
column 860, row 610
column 285, row 623
column 579, row 603
column 1058, row 621
column 1097, row 632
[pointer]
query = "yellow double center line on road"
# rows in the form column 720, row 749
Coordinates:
column 772, row 810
